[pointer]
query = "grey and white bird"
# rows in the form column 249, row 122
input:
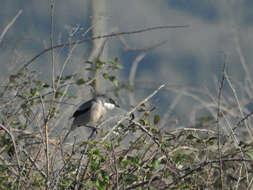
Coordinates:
column 89, row 114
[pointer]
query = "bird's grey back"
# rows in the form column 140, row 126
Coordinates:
column 83, row 108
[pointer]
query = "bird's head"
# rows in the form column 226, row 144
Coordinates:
column 107, row 102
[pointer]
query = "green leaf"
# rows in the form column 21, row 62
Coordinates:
column 155, row 164
column 34, row 91
column 205, row 118
column 80, row 81
column 156, row 119
column 116, row 59
column 144, row 122
column 129, row 178
column 147, row 113
column 115, row 83
column 250, row 154
column 38, row 83
column 114, row 68
column 21, row 74
column 58, row 94
column 111, row 61
column 120, row 66
column 106, row 75
column 99, row 64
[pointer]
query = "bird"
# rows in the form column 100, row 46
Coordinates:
column 90, row 113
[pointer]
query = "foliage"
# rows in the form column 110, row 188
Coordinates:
column 140, row 155
column 143, row 151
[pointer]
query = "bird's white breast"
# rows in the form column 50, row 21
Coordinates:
column 97, row 111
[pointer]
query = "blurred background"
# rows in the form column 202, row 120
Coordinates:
column 189, row 60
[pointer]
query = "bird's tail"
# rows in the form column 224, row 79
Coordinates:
column 73, row 127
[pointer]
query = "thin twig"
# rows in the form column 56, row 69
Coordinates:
column 98, row 37
column 128, row 49
column 243, row 119
column 52, row 42
column 16, row 152
column 70, row 54
column 35, row 136
column 35, row 164
column 200, row 165
column 242, row 115
column 134, row 67
column 131, row 111
column 142, row 183
column 219, row 113
column 80, row 163
column 241, row 56
column 239, row 106
column 46, row 118
column 14, row 145
column 10, row 24
column 132, row 75
column 157, row 143
column 239, row 178
column 172, row 106
column 61, row 86
column 115, row 166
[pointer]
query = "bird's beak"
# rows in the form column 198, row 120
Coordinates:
column 117, row 105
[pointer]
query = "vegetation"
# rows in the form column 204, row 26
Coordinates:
column 137, row 152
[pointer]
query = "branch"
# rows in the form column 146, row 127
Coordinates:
column 14, row 145
column 130, row 112
column 10, row 24
column 98, row 37
column 219, row 113
column 200, row 165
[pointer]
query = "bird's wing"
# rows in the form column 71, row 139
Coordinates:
column 83, row 108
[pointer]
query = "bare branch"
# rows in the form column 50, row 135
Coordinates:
column 130, row 112
column 99, row 37
column 14, row 144
column 10, row 24
column 219, row 113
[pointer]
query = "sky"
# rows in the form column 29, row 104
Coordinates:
column 191, row 58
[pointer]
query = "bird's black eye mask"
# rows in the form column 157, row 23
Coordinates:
column 113, row 102
column 109, row 100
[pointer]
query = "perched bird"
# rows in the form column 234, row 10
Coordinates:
column 89, row 114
